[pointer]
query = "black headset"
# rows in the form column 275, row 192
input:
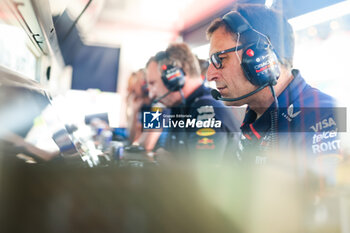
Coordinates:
column 259, row 63
column 259, row 60
column 173, row 76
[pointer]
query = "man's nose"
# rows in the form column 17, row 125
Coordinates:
column 211, row 73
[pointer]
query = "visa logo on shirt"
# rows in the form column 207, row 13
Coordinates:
column 325, row 123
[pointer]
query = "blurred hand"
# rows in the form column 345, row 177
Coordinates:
column 164, row 157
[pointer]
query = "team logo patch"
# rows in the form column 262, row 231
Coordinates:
column 205, row 144
column 155, row 109
column 205, row 132
column 290, row 113
column 205, row 141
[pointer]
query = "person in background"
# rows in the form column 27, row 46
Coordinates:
column 134, row 103
column 203, row 64
column 138, row 102
column 174, row 79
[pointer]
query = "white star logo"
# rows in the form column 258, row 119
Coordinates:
column 156, row 116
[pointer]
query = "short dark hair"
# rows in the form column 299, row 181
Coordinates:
column 268, row 22
column 181, row 55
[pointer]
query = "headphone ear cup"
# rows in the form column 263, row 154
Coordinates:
column 144, row 89
column 173, row 77
column 260, row 64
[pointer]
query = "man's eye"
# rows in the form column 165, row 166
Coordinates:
column 221, row 58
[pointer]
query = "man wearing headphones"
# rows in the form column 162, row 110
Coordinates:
column 174, row 79
column 251, row 54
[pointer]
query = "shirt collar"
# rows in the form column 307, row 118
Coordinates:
column 201, row 90
column 258, row 127
column 293, row 91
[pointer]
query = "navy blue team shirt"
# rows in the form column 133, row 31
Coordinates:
column 204, row 144
column 307, row 129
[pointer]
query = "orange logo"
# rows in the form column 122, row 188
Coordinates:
column 205, row 132
column 205, row 141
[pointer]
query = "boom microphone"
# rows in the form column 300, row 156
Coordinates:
column 216, row 94
column 160, row 98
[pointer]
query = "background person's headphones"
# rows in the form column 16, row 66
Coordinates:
column 259, row 60
column 144, row 89
column 173, row 76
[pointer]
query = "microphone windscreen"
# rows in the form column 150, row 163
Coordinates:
column 215, row 94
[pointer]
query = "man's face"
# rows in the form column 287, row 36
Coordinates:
column 230, row 80
column 157, row 88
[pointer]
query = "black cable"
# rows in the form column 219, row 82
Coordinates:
column 274, row 96
column 160, row 98
column 216, row 95
column 274, row 120
column 76, row 20
column 183, row 100
column 183, row 149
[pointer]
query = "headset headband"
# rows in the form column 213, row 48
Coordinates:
column 161, row 56
column 237, row 22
